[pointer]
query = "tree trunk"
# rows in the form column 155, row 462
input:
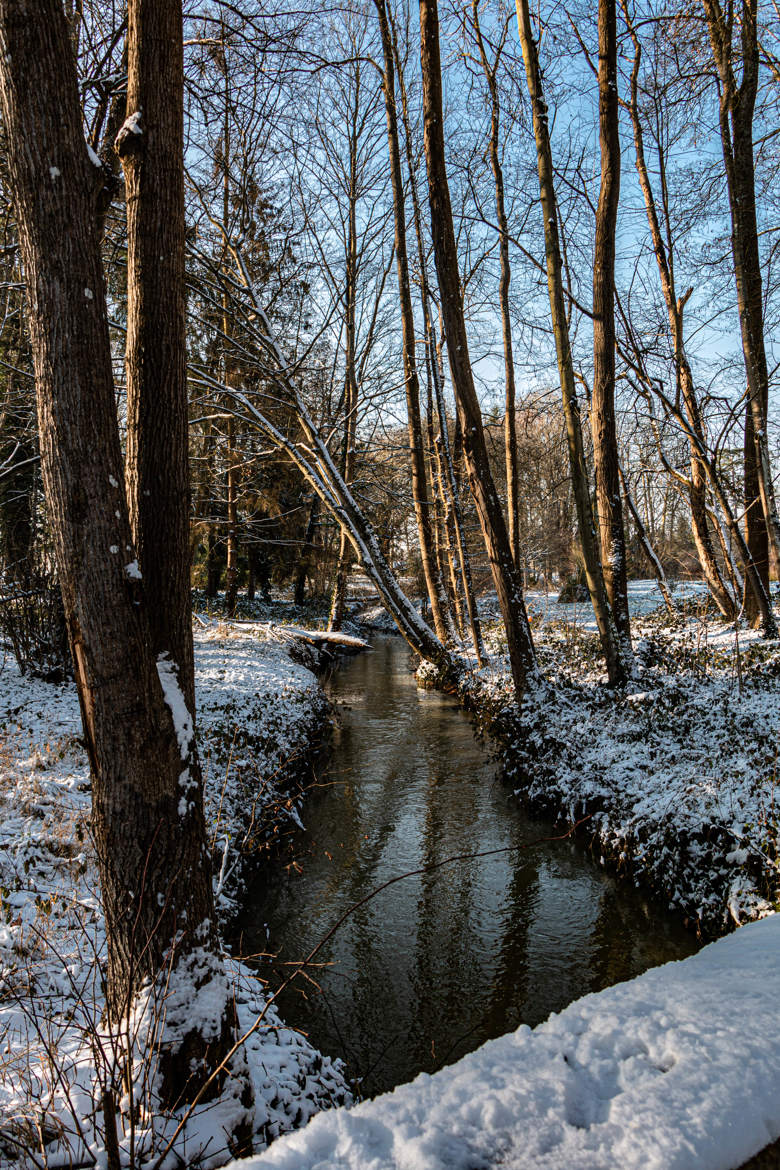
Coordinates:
column 509, row 587
column 450, row 486
column 339, row 595
column 231, row 567
column 618, row 664
column 649, row 551
column 737, row 106
column 148, row 823
column 603, row 427
column 150, row 145
column 307, row 553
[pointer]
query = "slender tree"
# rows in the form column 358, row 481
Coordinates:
column 442, row 619
column 618, row 664
column 490, row 69
column 506, row 576
column 675, row 308
column 603, row 426
column 737, row 101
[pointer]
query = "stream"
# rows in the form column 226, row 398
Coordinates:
column 439, row 962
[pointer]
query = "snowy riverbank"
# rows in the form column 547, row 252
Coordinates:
column 261, row 716
column 678, row 1069
column 676, row 778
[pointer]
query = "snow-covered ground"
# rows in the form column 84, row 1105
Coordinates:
column 678, row 1069
column 260, row 713
column 677, row 776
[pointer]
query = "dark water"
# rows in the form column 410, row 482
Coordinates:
column 437, row 963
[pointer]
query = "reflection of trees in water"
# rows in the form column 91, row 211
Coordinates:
column 437, row 963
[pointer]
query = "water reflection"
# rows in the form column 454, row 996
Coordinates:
column 435, row 964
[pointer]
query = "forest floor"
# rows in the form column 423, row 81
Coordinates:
column 261, row 716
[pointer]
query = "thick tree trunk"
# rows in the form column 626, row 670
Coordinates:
column 442, row 621
column 617, row 659
column 150, row 145
column 603, row 427
column 509, row 587
column 148, row 823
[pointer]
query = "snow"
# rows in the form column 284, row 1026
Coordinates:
column 675, row 780
column 259, row 715
column 678, row 1069
column 131, row 125
column 132, row 570
column 168, row 672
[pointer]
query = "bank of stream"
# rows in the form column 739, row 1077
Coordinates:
column 439, row 962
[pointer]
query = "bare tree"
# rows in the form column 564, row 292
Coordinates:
column 737, row 99
column 505, row 573
column 603, row 427
column 147, row 802
column 618, row 663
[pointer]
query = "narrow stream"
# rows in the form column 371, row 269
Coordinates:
column 437, row 963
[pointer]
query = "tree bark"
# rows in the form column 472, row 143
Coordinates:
column 603, row 426
column 450, row 487
column 506, row 578
column 148, row 822
column 510, row 418
column 150, row 145
column 649, row 551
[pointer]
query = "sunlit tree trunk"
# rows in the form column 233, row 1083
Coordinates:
column 510, row 419
column 697, row 494
column 150, row 145
column 737, row 106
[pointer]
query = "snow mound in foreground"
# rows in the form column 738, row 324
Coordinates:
column 678, row 1069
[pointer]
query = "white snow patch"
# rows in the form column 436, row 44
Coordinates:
column 182, row 719
column 675, row 1070
column 132, row 124
column 133, row 571
column 55, row 172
